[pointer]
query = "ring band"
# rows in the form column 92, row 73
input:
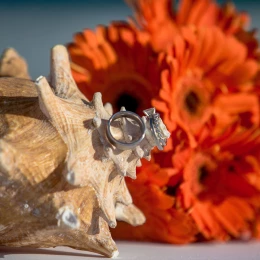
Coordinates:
column 121, row 145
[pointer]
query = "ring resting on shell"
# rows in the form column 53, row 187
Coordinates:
column 154, row 118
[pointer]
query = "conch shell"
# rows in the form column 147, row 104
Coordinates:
column 61, row 180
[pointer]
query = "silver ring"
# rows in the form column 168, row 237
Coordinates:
column 121, row 145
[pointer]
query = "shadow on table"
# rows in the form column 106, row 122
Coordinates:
column 25, row 250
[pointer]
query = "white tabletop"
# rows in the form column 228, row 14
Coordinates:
column 144, row 251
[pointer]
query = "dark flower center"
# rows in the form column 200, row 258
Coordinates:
column 128, row 101
column 231, row 168
column 203, row 173
column 171, row 191
column 192, row 102
column 246, row 119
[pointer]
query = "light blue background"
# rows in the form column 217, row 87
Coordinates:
column 33, row 27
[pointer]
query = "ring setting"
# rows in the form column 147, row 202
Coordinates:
column 154, row 125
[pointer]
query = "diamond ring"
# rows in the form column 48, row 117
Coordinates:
column 155, row 128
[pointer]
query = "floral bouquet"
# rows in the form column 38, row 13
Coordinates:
column 198, row 65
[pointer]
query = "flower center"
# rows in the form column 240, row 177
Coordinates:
column 192, row 102
column 171, row 191
column 128, row 101
column 203, row 173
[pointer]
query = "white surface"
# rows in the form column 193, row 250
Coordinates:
column 144, row 251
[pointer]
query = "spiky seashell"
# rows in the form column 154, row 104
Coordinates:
column 13, row 65
column 61, row 180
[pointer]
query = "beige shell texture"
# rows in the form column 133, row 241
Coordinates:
column 13, row 65
column 61, row 181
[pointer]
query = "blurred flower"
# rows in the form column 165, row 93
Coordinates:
column 118, row 62
column 198, row 66
column 207, row 73
column 220, row 185
column 162, row 22
column 164, row 223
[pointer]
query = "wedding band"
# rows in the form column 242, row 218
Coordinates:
column 122, row 145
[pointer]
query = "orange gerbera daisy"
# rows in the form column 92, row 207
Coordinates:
column 162, row 22
column 118, row 62
column 218, row 191
column 200, row 68
column 163, row 222
column 200, row 83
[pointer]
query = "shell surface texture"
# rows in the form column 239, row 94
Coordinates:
column 62, row 183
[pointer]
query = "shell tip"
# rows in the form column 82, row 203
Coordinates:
column 112, row 224
column 38, row 79
column 96, row 122
column 115, row 254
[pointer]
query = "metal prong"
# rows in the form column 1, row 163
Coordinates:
column 149, row 112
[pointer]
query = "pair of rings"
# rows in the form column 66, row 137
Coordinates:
column 154, row 128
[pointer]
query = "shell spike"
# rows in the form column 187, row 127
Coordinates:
column 13, row 65
column 139, row 152
column 138, row 163
column 47, row 99
column 104, row 242
column 131, row 172
column 97, row 101
column 96, row 121
column 129, row 214
column 60, row 75
column 108, row 212
column 124, row 195
column 108, row 107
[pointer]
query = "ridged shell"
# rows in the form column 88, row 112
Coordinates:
column 61, row 180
